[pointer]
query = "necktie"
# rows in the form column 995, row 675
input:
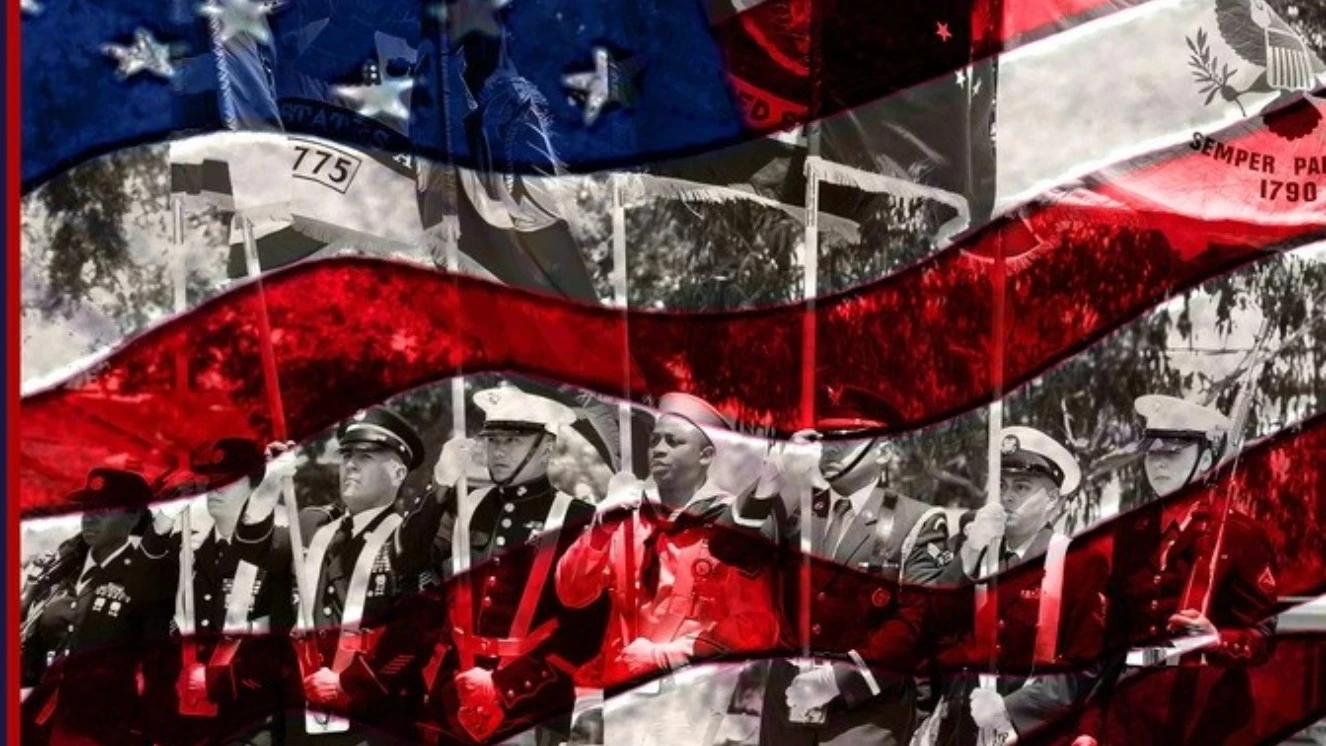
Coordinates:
column 335, row 557
column 1007, row 557
column 836, row 523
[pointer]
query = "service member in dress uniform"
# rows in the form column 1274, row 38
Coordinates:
column 860, row 524
column 686, row 580
column 234, row 674
column 1153, row 567
column 1052, row 617
column 514, row 645
column 363, row 567
column 98, row 615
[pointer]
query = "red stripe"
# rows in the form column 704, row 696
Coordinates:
column 352, row 332
column 1038, row 18
column 12, row 371
column 767, row 48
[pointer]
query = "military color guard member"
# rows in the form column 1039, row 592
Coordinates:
column 235, row 672
column 514, row 646
column 1154, row 567
column 685, row 578
column 97, row 617
column 856, row 523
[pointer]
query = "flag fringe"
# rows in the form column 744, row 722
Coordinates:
column 647, row 188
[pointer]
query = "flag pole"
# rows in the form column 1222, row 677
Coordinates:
column 619, row 285
column 188, row 705
column 986, row 592
column 315, row 722
column 983, row 41
column 810, row 288
column 622, row 300
column 458, row 425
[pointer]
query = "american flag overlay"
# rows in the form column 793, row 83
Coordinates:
column 713, row 373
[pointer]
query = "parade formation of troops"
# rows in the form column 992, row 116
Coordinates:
column 492, row 615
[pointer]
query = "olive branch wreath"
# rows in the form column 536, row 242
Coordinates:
column 1213, row 76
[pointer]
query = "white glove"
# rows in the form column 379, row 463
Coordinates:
column 812, row 689
column 196, row 538
column 800, row 459
column 791, row 467
column 645, row 656
column 988, row 711
column 453, row 461
column 1192, row 622
column 165, row 516
column 625, row 493
column 281, row 464
column 986, row 529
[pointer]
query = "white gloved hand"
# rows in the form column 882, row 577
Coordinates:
column 812, row 689
column 986, row 529
column 281, row 463
column 454, row 461
column 625, row 493
column 164, row 517
column 792, row 467
column 988, row 711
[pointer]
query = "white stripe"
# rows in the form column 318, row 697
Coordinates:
column 241, row 598
column 865, row 672
column 1110, row 90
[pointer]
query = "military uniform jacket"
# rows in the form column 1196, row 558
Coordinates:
column 532, row 668
column 859, row 607
column 247, row 676
column 1152, row 568
column 1043, row 698
column 88, row 646
column 702, row 578
column 384, row 684
column 1155, row 550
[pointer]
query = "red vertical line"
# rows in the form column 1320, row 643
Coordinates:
column 986, row 41
column 13, row 158
column 271, row 382
column 810, row 288
column 621, row 289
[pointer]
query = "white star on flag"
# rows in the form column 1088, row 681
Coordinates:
column 379, row 98
column 145, row 55
column 464, row 17
column 607, row 83
column 241, row 18
column 30, row 7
